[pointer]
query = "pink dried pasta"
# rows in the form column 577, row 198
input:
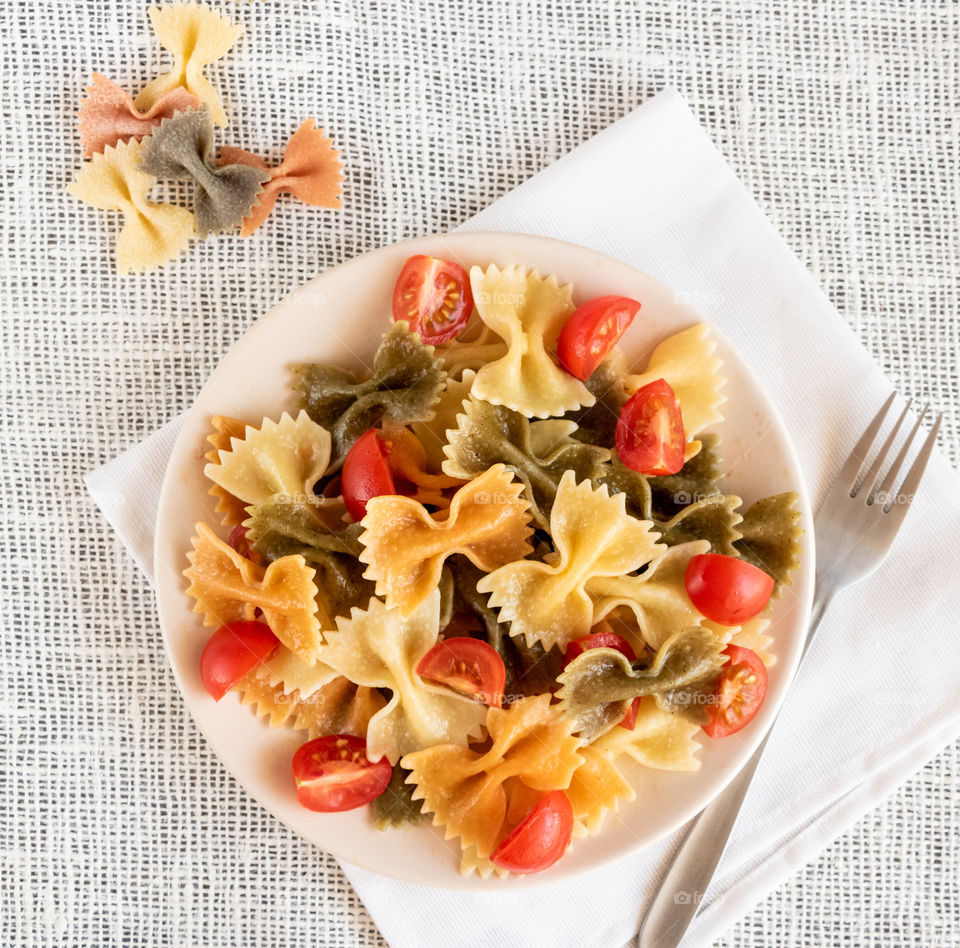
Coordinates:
column 107, row 115
column 311, row 171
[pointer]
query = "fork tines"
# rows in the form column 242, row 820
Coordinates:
column 867, row 482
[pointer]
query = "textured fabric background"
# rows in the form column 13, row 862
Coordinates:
column 117, row 824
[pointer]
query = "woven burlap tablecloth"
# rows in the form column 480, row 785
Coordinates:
column 118, row 825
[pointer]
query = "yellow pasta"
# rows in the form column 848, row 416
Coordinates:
column 379, row 648
column 596, row 787
column 550, row 602
column 228, row 587
column 151, row 233
column 753, row 634
column 290, row 673
column 657, row 597
column 687, row 362
column 338, row 707
column 404, row 546
column 660, row 740
column 466, row 790
column 433, row 432
column 196, row 36
column 232, row 509
column 284, row 457
column 527, row 312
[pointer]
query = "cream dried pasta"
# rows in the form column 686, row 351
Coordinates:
column 480, row 598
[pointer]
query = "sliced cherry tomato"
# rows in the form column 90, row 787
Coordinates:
column 597, row 640
column 332, row 774
column 739, row 692
column 540, row 839
column 468, row 666
column 365, row 474
column 649, row 434
column 726, row 589
column 238, row 540
column 232, row 651
column 434, row 297
column 592, row 331
column 630, row 718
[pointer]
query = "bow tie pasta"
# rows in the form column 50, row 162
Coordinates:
column 527, row 312
column 380, row 648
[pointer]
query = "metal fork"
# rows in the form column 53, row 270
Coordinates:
column 854, row 530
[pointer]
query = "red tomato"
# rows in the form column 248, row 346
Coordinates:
column 365, row 474
column 630, row 718
column 232, row 651
column 238, row 540
column 592, row 331
column 333, row 774
column 597, row 640
column 650, row 435
column 726, row 589
column 468, row 666
column 739, row 693
column 540, row 839
column 434, row 297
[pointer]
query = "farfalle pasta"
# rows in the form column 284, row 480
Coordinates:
column 107, row 115
column 466, row 790
column 228, row 587
column 196, row 36
column 152, row 234
column 181, row 148
column 404, row 547
column 527, row 312
column 380, row 648
column 403, row 386
column 550, row 602
column 286, row 457
column 173, row 117
column 686, row 361
column 311, row 171
column 475, row 603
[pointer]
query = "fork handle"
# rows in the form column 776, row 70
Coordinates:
column 689, row 874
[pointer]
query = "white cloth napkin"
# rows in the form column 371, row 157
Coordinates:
column 876, row 697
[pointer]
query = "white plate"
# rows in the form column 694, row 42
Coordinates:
column 338, row 317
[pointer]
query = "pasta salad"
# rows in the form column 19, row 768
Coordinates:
column 498, row 569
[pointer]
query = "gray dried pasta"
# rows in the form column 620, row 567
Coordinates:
column 597, row 686
column 404, row 384
column 182, row 147
column 285, row 525
column 537, row 452
column 770, row 537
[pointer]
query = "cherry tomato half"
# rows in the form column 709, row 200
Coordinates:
column 739, row 692
column 726, row 589
column 434, row 297
column 468, row 666
column 540, row 839
column 238, row 540
column 592, row 331
column 366, row 473
column 649, row 434
column 629, row 721
column 598, row 640
column 232, row 651
column 332, row 774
